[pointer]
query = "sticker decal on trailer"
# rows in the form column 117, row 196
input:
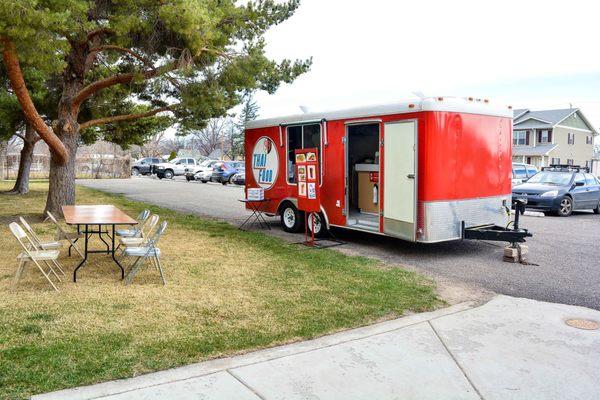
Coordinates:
column 265, row 162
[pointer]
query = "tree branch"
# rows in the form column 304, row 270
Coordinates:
column 125, row 117
column 97, row 32
column 98, row 85
column 15, row 75
column 121, row 49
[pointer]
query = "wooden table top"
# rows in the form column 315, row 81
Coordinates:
column 96, row 215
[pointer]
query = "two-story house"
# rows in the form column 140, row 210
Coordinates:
column 549, row 137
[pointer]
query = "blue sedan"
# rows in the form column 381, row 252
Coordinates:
column 561, row 190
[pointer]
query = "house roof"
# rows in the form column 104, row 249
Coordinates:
column 541, row 150
column 524, row 118
column 550, row 116
column 518, row 112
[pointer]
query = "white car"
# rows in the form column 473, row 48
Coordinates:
column 522, row 172
column 200, row 172
column 175, row 167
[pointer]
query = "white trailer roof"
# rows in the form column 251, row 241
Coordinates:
column 450, row 104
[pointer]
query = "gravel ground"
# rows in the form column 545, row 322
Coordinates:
column 566, row 249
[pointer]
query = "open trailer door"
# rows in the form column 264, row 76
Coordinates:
column 400, row 181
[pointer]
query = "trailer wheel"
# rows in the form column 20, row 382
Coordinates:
column 292, row 220
column 320, row 229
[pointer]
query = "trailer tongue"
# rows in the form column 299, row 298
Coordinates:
column 500, row 233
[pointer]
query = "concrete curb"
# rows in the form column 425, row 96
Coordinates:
column 530, row 213
column 221, row 364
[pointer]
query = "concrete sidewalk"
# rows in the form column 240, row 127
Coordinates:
column 509, row 348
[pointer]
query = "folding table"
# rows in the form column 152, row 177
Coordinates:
column 99, row 216
column 257, row 213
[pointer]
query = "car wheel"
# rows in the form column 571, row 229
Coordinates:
column 597, row 209
column 135, row 171
column 168, row 174
column 320, row 230
column 566, row 207
column 203, row 180
column 231, row 182
column 291, row 219
column 188, row 178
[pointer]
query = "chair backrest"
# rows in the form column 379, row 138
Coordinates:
column 21, row 236
column 149, row 227
column 29, row 229
column 143, row 216
column 153, row 241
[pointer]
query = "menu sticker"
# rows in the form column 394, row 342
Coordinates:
column 312, row 191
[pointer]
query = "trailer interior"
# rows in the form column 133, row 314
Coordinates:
column 362, row 171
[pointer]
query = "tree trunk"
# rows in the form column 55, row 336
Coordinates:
column 62, row 177
column 61, row 190
column 22, row 183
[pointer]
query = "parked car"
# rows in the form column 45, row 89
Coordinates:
column 224, row 171
column 175, row 167
column 143, row 166
column 562, row 190
column 201, row 172
column 522, row 172
column 239, row 178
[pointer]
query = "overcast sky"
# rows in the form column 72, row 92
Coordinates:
column 532, row 54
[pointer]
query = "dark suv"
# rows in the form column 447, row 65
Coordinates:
column 143, row 166
column 561, row 189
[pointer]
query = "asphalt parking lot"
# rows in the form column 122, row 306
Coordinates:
column 565, row 249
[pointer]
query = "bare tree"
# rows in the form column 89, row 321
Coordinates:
column 212, row 137
column 153, row 147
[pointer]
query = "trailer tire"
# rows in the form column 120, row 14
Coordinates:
column 292, row 220
column 320, row 225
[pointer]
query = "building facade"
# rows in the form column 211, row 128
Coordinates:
column 548, row 137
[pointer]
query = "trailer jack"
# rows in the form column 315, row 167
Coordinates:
column 514, row 252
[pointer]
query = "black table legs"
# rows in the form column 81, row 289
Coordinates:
column 109, row 249
column 256, row 216
column 85, row 252
column 112, row 238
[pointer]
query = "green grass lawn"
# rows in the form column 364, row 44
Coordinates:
column 227, row 292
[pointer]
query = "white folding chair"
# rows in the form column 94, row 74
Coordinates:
column 56, row 245
column 139, row 229
column 32, row 254
column 61, row 234
column 138, row 241
column 143, row 253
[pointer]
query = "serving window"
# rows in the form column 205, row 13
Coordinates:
column 301, row 137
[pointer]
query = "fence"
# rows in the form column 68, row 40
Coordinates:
column 93, row 166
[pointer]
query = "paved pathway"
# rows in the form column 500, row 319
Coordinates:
column 508, row 348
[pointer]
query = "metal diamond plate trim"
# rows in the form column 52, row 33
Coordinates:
column 441, row 220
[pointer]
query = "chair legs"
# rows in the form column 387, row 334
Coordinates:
column 160, row 270
column 139, row 263
column 21, row 267
column 19, row 272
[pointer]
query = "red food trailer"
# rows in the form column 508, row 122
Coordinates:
column 431, row 170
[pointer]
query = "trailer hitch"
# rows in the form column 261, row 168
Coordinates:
column 497, row 233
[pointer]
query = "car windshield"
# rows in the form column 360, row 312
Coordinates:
column 552, row 178
column 206, row 163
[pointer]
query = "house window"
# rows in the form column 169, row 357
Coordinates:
column 570, row 138
column 520, row 138
column 544, row 136
column 301, row 137
column 555, row 161
column 589, row 140
column 569, row 161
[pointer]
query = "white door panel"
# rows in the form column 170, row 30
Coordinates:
column 400, row 178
